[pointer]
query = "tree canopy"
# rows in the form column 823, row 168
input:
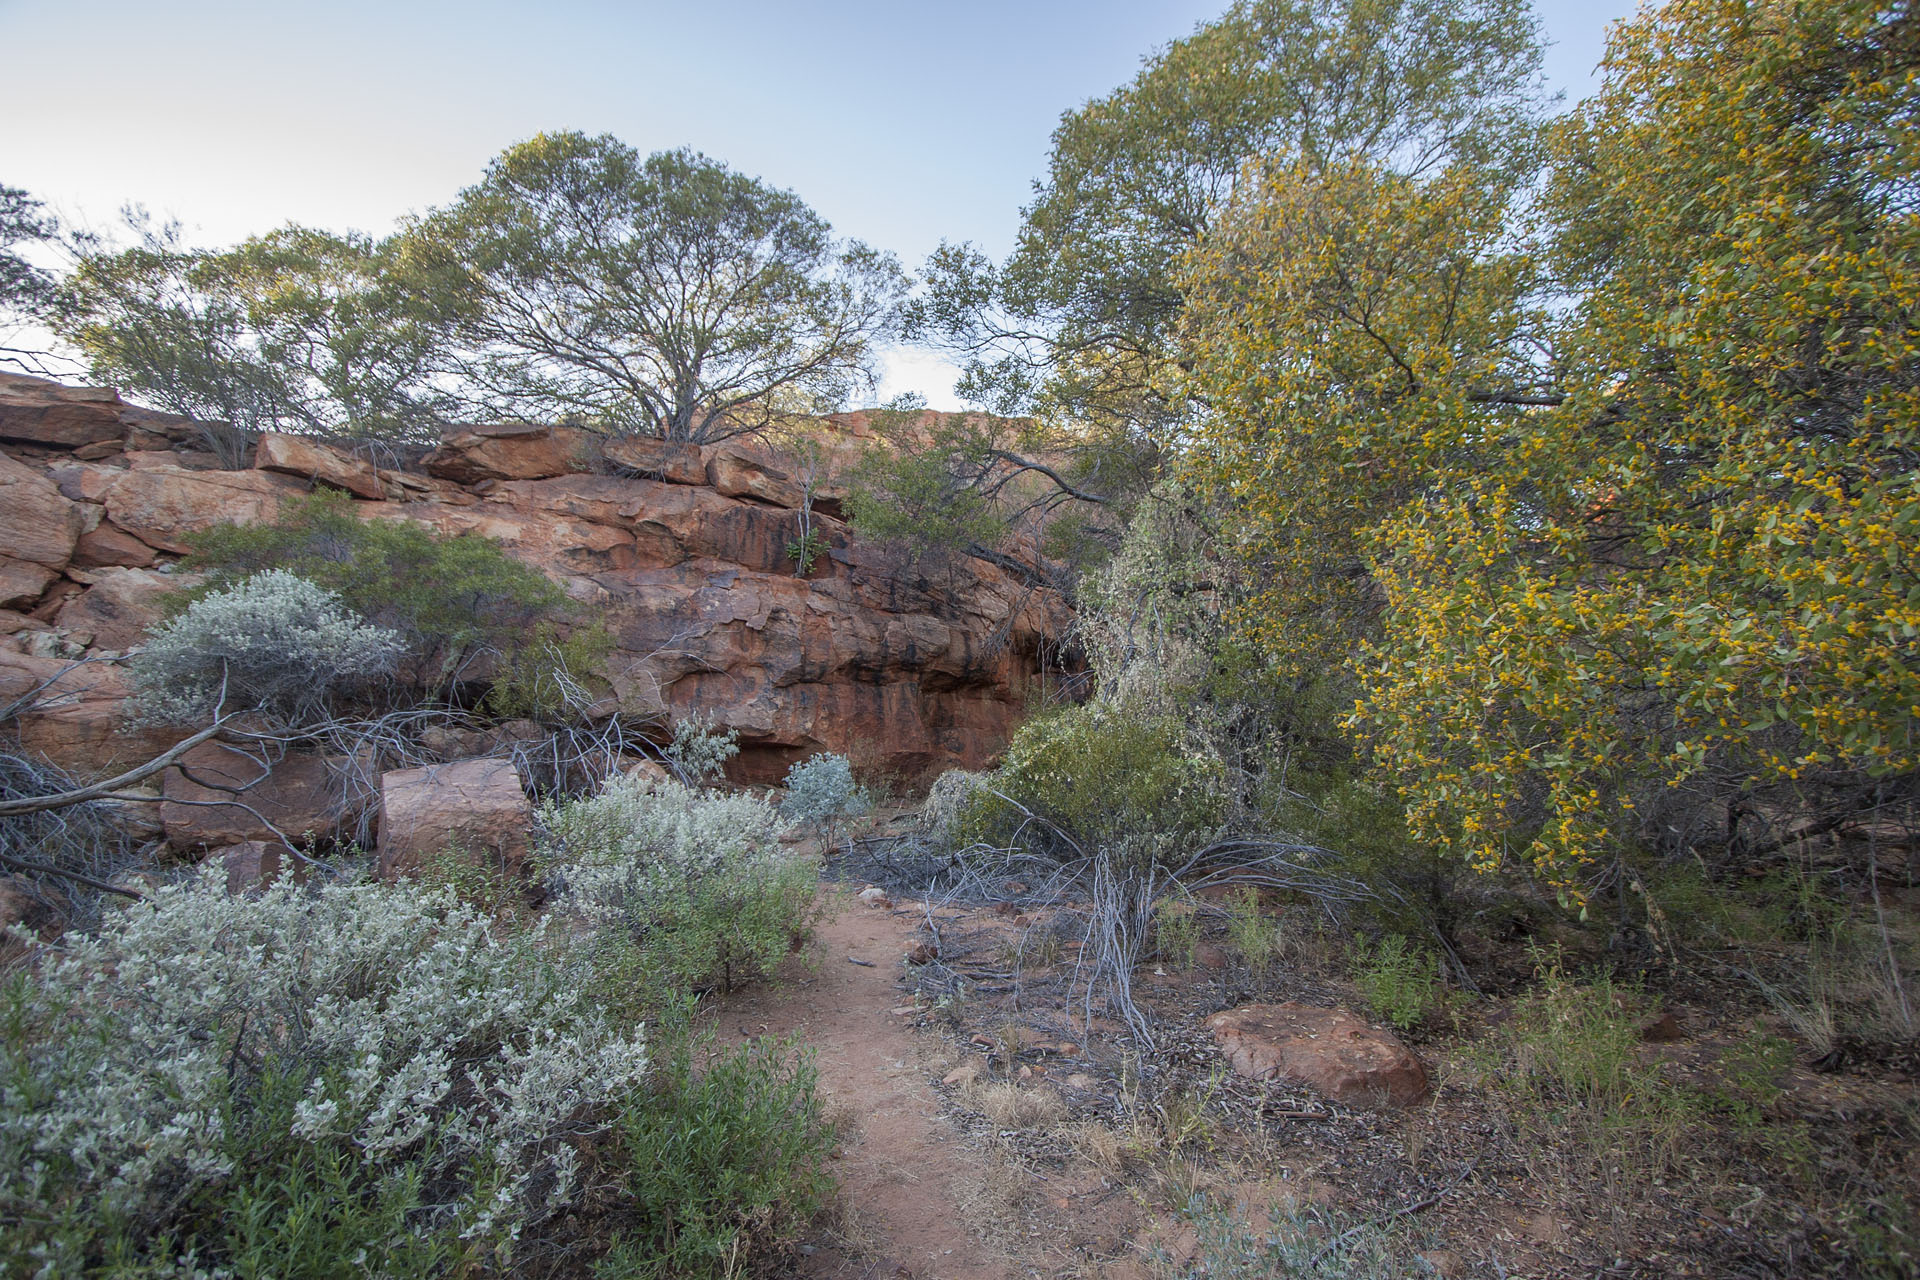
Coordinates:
column 667, row 295
column 298, row 330
column 1610, row 513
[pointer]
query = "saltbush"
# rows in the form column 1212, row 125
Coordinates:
column 361, row 1078
column 272, row 642
column 699, row 751
column 821, row 789
column 693, row 885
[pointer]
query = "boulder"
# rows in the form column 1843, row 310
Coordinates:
column 22, row 583
column 78, row 721
column 38, row 523
column 253, row 864
column 1335, row 1052
column 43, row 412
column 671, row 461
column 508, row 451
column 162, row 504
column 475, row 808
column 311, row 460
column 220, row 796
column 108, row 545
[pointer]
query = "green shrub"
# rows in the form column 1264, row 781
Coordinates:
column 362, row 1078
column 548, row 677
column 1176, row 931
column 725, row 1164
column 695, row 883
column 1106, row 779
column 448, row 598
column 1401, row 981
column 1251, row 931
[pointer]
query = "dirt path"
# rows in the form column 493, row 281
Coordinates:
column 903, row 1168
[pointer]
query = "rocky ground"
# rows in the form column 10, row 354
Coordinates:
column 994, row 1130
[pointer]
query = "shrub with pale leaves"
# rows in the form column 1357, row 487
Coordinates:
column 699, row 750
column 273, row 642
column 821, row 790
column 200, row 1041
column 696, row 881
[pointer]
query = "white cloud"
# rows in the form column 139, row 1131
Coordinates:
column 904, row 369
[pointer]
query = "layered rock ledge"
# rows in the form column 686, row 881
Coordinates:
column 680, row 552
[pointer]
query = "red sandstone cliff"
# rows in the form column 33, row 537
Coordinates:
column 679, row 551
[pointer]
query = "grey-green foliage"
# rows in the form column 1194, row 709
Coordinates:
column 699, row 751
column 687, row 887
column 24, row 287
column 273, row 643
column 666, row 294
column 821, row 789
column 298, row 330
column 1299, row 1242
column 276, row 1082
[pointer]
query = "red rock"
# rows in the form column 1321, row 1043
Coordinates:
column 252, row 864
column 671, row 461
column 1332, row 1050
column 292, row 799
column 22, row 583
column 509, row 451
column 85, row 481
column 734, row 474
column 38, row 523
column 120, row 607
column 108, row 545
column 78, row 722
column 43, row 412
column 477, row 808
column 161, row 505
column 312, row 460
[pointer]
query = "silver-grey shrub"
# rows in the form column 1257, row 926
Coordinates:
column 695, row 881
column 394, row 1025
column 699, row 750
column 821, row 789
column 273, row 642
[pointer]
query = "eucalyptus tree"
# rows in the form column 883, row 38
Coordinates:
column 666, row 295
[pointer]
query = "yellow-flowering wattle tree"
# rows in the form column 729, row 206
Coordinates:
column 1616, row 533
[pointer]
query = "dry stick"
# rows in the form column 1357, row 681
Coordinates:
column 43, row 869
column 1403, row 1212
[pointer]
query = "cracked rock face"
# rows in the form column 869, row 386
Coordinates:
column 679, row 551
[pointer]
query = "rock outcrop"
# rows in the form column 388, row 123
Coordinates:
column 680, row 552
column 1331, row 1050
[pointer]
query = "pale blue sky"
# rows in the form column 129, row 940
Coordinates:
column 902, row 123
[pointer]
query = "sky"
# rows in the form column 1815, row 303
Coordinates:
column 902, row 122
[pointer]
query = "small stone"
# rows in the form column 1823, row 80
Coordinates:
column 1080, row 1080
column 966, row 1073
column 1209, row 955
column 1026, row 1073
column 874, row 896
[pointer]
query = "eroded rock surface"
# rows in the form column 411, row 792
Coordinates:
column 475, row 809
column 1337, row 1052
column 680, row 552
